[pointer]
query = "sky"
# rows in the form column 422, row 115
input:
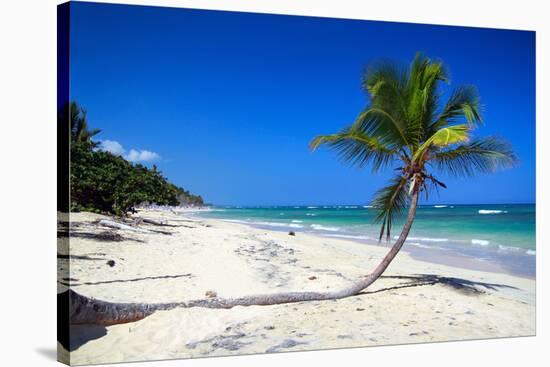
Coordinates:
column 226, row 103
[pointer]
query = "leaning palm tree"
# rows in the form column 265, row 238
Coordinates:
column 405, row 124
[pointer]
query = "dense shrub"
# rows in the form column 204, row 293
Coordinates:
column 103, row 182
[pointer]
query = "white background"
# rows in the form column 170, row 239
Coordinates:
column 28, row 183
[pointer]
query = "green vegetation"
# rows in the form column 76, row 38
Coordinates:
column 103, row 182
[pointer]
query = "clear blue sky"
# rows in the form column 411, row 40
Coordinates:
column 226, row 103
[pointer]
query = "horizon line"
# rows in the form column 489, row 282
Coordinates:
column 358, row 205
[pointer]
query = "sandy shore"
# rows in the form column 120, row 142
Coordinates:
column 415, row 302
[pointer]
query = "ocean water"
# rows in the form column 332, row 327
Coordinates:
column 484, row 237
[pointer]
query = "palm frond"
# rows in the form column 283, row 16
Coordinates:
column 386, row 114
column 390, row 201
column 93, row 132
column 444, row 137
column 483, row 155
column 383, row 74
column 450, row 135
column 422, row 69
column 423, row 95
column 357, row 148
column 463, row 106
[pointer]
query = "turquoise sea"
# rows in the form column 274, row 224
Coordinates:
column 486, row 237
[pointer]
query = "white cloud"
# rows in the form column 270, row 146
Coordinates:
column 111, row 146
column 134, row 155
column 141, row 156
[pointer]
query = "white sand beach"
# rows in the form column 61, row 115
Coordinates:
column 414, row 302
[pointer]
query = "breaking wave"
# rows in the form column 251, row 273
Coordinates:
column 480, row 242
column 325, row 228
column 485, row 211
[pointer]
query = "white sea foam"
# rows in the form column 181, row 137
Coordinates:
column 348, row 236
column 278, row 224
column 480, row 242
column 440, row 206
column 485, row 211
column 367, row 206
column 311, row 214
column 292, row 225
column 297, row 221
column 235, row 221
column 312, row 207
column 424, row 239
column 531, row 252
column 324, row 228
column 416, row 244
column 272, row 224
column 508, row 248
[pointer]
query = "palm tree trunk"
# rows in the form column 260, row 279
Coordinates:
column 84, row 310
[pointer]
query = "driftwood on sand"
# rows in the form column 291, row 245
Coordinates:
column 160, row 223
column 154, row 222
column 116, row 225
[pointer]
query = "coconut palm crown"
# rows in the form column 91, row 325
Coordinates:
column 409, row 126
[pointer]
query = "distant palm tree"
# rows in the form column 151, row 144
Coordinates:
column 78, row 122
column 407, row 123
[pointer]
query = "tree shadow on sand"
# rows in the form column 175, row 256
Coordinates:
column 72, row 337
column 104, row 236
column 468, row 287
column 78, row 257
column 82, row 334
column 128, row 280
